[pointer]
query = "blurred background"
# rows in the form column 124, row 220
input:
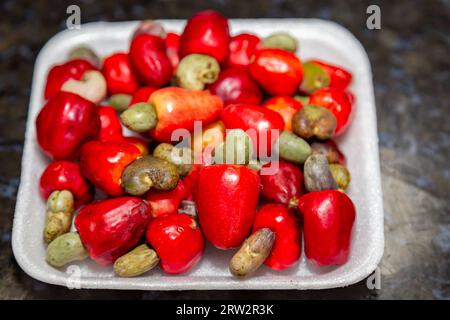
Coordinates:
column 410, row 63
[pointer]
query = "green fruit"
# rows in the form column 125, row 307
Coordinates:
column 341, row 175
column 181, row 157
column 293, row 148
column 64, row 249
column 120, row 101
column 195, row 70
column 281, row 40
column 140, row 117
column 236, row 149
column 314, row 77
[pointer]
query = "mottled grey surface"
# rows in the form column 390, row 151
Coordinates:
column 409, row 57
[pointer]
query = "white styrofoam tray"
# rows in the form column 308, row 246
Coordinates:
column 318, row 39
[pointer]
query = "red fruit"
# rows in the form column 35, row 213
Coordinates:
column 64, row 123
column 140, row 143
column 261, row 124
column 110, row 228
column 287, row 248
column 242, row 48
column 165, row 203
column 286, row 107
column 149, row 58
column 177, row 240
column 102, row 163
column 110, row 125
column 235, row 85
column 206, row 32
column 331, row 150
column 59, row 74
column 338, row 102
column 172, row 47
column 285, row 185
column 142, row 95
column 339, row 77
column 279, row 72
column 328, row 218
column 226, row 197
column 119, row 74
column 178, row 108
column 66, row 175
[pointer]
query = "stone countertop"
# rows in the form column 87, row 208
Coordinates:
column 409, row 57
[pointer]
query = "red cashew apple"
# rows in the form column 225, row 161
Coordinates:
column 172, row 47
column 235, row 85
column 178, row 108
column 263, row 125
column 138, row 142
column 66, row 175
column 339, row 77
column 119, row 74
column 328, row 218
column 59, row 74
column 64, row 123
column 279, row 72
column 226, row 197
column 206, row 32
column 242, row 48
column 286, row 106
column 110, row 125
column 110, row 228
column 148, row 57
column 338, row 102
column 142, row 95
column 285, row 185
column 102, row 163
column 287, row 249
column 166, row 203
column 177, row 240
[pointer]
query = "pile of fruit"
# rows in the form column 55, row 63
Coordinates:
column 232, row 143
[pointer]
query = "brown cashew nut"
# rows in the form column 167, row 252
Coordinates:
column 136, row 262
column 182, row 158
column 60, row 207
column 314, row 121
column 252, row 253
column 317, row 175
column 149, row 172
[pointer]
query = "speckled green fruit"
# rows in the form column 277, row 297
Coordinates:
column 281, row 40
column 293, row 148
column 64, row 249
column 140, row 117
column 314, row 77
column 195, row 70
column 120, row 101
column 182, row 158
column 314, row 121
column 341, row 175
column 136, row 262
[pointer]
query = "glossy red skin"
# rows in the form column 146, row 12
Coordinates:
column 59, row 74
column 226, row 197
column 284, row 185
column 140, row 143
column 110, row 125
column 277, row 71
column 66, row 175
column 242, row 48
column 235, row 85
column 287, row 249
column 102, row 163
column 206, row 32
column 149, row 59
column 338, row 102
column 178, row 108
column 286, row 107
column 178, row 241
column 339, row 77
column 328, row 218
column 260, row 120
column 64, row 123
column 110, row 228
column 172, row 47
column 142, row 95
column 119, row 74
column 165, row 203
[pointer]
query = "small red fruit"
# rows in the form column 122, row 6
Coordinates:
column 339, row 77
column 287, row 248
column 279, row 72
column 242, row 48
column 142, row 95
column 235, row 85
column 110, row 125
column 172, row 47
column 177, row 240
column 119, row 74
column 206, row 32
column 328, row 218
column 110, row 228
column 286, row 107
